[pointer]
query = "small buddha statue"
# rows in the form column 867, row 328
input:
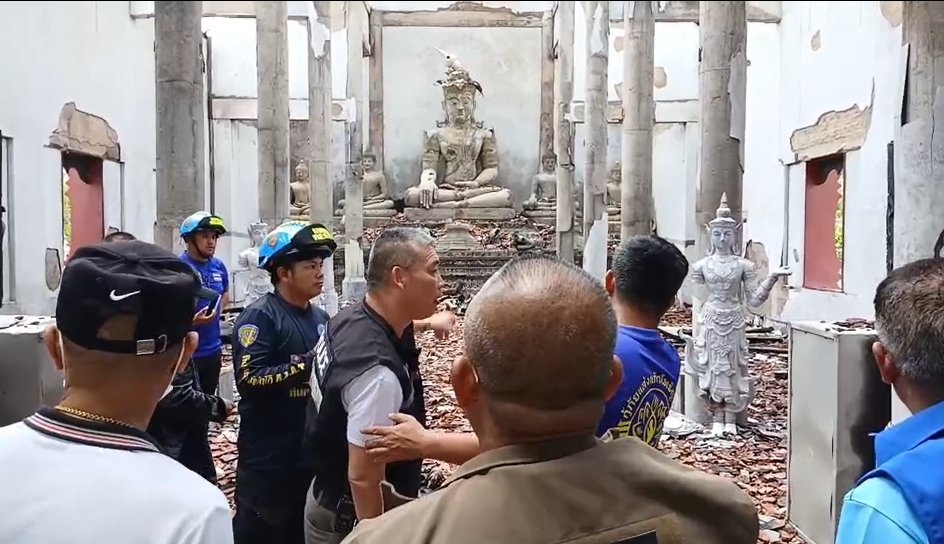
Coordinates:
column 375, row 185
column 460, row 157
column 614, row 179
column 300, row 202
column 544, row 186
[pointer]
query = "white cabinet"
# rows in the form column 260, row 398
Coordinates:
column 837, row 399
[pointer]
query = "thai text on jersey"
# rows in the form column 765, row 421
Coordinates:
column 296, row 238
column 202, row 221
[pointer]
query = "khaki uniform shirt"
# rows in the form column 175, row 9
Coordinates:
column 573, row 490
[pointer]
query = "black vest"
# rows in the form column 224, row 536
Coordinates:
column 349, row 347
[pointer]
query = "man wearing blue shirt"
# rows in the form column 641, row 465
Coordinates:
column 645, row 278
column 200, row 232
column 902, row 500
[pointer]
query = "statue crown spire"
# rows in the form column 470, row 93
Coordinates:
column 723, row 215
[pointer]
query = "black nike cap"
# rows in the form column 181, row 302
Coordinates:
column 127, row 278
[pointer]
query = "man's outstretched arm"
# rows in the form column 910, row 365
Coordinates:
column 408, row 440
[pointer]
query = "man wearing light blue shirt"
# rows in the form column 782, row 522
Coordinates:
column 902, row 500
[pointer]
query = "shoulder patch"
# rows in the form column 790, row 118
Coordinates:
column 247, row 335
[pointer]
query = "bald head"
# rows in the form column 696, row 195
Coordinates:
column 540, row 334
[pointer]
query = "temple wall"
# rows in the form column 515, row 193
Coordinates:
column 820, row 59
column 95, row 55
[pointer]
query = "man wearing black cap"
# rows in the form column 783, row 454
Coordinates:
column 85, row 471
column 272, row 356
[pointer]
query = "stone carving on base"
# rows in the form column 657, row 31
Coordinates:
column 718, row 354
column 258, row 282
column 300, row 202
column 460, row 159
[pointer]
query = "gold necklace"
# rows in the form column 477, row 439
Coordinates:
column 88, row 416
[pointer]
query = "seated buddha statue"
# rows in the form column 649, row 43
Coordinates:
column 460, row 157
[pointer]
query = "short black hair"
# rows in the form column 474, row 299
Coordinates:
column 649, row 272
column 118, row 236
column 396, row 246
column 909, row 319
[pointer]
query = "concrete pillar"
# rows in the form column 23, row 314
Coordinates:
column 180, row 116
column 638, row 119
column 919, row 147
column 319, row 134
column 598, row 54
column 564, row 148
column 272, row 121
column 722, row 85
column 354, row 286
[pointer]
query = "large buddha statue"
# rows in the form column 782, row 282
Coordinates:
column 300, row 202
column 460, row 157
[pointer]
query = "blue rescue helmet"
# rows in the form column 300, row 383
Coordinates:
column 202, row 221
column 296, row 241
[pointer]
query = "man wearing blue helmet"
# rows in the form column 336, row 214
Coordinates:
column 272, row 356
column 200, row 232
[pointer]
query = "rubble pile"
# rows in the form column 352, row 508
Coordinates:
column 223, row 444
column 493, row 235
column 755, row 459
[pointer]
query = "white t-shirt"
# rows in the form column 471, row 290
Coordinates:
column 65, row 482
column 369, row 399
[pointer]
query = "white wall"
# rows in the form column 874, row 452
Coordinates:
column 859, row 49
column 93, row 54
column 233, row 64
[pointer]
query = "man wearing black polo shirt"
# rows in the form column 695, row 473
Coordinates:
column 367, row 367
column 272, row 354
column 85, row 471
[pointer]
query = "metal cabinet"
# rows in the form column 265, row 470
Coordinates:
column 837, row 399
column 28, row 377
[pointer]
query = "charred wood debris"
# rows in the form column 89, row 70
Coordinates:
column 755, row 460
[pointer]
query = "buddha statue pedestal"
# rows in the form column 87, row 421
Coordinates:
column 458, row 237
column 459, row 163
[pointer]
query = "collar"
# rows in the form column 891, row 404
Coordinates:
column 372, row 313
column 910, row 433
column 52, row 422
column 523, row 454
column 288, row 305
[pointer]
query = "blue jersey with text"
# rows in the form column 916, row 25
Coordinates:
column 651, row 368
column 214, row 276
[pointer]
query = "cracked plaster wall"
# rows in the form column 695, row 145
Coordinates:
column 95, row 55
column 840, row 91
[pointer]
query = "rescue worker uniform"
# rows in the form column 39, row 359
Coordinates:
column 181, row 419
column 215, row 279
column 272, row 353
column 577, row 490
column 357, row 342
